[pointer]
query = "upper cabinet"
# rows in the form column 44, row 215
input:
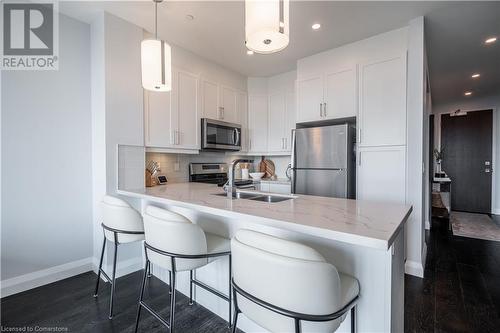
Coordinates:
column 219, row 102
column 281, row 122
column 187, row 123
column 158, row 108
column 329, row 95
column 172, row 118
column 257, row 124
column 210, row 99
column 382, row 102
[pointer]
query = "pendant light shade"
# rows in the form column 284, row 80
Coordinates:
column 156, row 61
column 267, row 25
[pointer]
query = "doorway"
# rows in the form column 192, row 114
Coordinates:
column 466, row 141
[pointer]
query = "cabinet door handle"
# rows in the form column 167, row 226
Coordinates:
column 320, row 110
column 324, row 109
column 178, row 137
column 286, row 143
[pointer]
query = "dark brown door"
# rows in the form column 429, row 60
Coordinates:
column 467, row 160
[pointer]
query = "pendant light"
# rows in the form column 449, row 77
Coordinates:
column 156, row 61
column 267, row 25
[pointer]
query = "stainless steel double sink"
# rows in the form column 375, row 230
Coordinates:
column 259, row 196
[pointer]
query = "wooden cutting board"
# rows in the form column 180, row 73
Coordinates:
column 269, row 169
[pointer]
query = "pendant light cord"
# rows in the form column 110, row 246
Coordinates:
column 156, row 19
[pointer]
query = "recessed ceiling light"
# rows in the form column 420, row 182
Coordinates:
column 468, row 93
column 476, row 75
column 490, row 40
column 249, row 52
column 316, row 26
column 189, row 17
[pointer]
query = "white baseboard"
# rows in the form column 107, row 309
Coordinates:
column 495, row 211
column 414, row 268
column 427, row 225
column 39, row 278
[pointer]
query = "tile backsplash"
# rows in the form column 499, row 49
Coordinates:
column 175, row 166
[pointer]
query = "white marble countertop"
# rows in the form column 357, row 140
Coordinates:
column 355, row 222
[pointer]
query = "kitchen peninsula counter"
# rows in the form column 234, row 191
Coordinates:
column 355, row 222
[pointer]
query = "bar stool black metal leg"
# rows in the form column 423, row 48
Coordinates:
column 191, row 287
column 149, row 272
column 99, row 270
column 169, row 282
column 141, row 297
column 172, row 301
column 297, row 325
column 113, row 282
column 236, row 310
column 229, row 293
column 353, row 319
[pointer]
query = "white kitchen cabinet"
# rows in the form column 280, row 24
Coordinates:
column 331, row 95
column 290, row 119
column 257, row 123
column 158, row 108
column 188, row 125
column 280, row 188
column 309, row 99
column 381, row 174
column 229, row 105
column 281, row 122
column 277, row 111
column 172, row 118
column 210, row 99
column 275, row 187
column 340, row 97
column 242, row 105
column 382, row 102
column 219, row 102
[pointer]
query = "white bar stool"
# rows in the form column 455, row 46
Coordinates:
column 285, row 286
column 121, row 224
column 176, row 244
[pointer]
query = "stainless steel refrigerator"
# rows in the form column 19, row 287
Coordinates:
column 324, row 161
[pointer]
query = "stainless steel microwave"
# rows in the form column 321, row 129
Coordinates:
column 220, row 135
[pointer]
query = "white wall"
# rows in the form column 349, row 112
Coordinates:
column 475, row 104
column 416, row 156
column 46, row 160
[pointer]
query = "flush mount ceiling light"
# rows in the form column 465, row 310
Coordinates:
column 475, row 75
column 316, row 26
column 490, row 40
column 156, row 61
column 468, row 93
column 267, row 25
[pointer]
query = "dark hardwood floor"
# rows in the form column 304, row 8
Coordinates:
column 69, row 304
column 461, row 288
column 460, row 293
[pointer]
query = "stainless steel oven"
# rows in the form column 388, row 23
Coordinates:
column 220, row 135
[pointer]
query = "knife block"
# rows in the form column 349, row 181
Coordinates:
column 150, row 181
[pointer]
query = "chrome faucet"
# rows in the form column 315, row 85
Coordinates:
column 231, row 188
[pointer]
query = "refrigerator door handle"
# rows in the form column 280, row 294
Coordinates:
column 292, row 162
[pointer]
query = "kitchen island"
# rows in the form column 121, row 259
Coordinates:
column 364, row 239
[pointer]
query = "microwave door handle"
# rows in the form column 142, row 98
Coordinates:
column 237, row 135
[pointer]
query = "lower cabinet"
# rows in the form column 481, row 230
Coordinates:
column 381, row 174
column 272, row 187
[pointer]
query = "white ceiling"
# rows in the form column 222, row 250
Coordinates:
column 454, row 32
